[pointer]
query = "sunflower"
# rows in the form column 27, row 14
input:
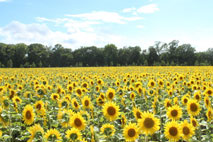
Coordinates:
column 139, row 90
column 187, row 130
column 73, row 134
column 151, row 83
column 137, row 84
column 208, row 92
column 184, row 100
column 53, row 135
column 172, row 131
column 170, row 92
column 69, row 88
column 75, row 104
column 111, row 111
column 5, row 102
column 0, row 133
column 86, row 101
column 193, row 107
column 194, row 122
column 110, row 94
column 78, row 91
column 100, row 101
column 131, row 132
column 84, row 85
column 207, row 101
column 55, row 96
column 28, row 115
column 78, row 121
column 123, row 120
column 64, row 103
column 137, row 113
column 100, row 82
column 209, row 114
column 36, row 131
column 167, row 103
column 132, row 95
column 174, row 112
column 197, row 96
column 102, row 96
column 64, row 117
column 149, row 124
column 108, row 130
column 17, row 100
column 39, row 105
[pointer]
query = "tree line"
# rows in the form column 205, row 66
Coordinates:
column 160, row 54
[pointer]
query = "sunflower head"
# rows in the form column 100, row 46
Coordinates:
column 53, row 135
column 108, row 130
column 187, row 130
column 194, row 122
column 209, row 114
column 172, row 131
column 131, row 132
column 149, row 124
column 110, row 94
column 36, row 131
column 75, row 104
column 77, row 121
column 111, row 111
column 28, row 115
column 193, row 107
column 86, row 101
column 137, row 113
column 73, row 134
column 174, row 112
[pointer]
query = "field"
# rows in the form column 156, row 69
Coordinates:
column 106, row 104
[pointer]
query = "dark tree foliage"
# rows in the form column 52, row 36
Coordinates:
column 38, row 55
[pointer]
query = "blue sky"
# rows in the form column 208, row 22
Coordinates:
column 76, row 23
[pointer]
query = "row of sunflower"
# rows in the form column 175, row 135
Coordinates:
column 106, row 104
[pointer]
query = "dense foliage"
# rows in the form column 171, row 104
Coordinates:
column 38, row 55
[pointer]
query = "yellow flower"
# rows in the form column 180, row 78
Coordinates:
column 78, row 121
column 149, row 124
column 172, row 131
column 208, row 92
column 55, row 97
column 79, row 92
column 53, row 135
column 35, row 131
column 151, row 83
column 108, row 130
column 197, row 96
column 193, row 107
column 187, row 130
column 174, row 112
column 131, row 132
column 184, row 100
column 194, row 122
column 0, row 133
column 167, row 103
column 73, row 134
column 86, row 101
column 39, row 105
column 111, row 111
column 64, row 117
column 207, row 101
column 28, row 115
column 137, row 113
column 110, row 94
column 132, row 95
column 75, row 104
column 209, row 114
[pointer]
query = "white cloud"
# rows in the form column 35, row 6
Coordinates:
column 127, row 10
column 151, row 8
column 107, row 17
column 17, row 32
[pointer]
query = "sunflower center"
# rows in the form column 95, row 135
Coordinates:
column 186, row 130
column 209, row 92
column 168, row 104
column 197, row 97
column 86, row 103
column 173, row 131
column 139, row 90
column 73, row 136
column 194, row 123
column 55, row 97
column 78, row 122
column 131, row 132
column 207, row 102
column 38, row 106
column 79, row 91
column 110, row 95
column 138, row 114
column 111, row 110
column 174, row 113
column 193, row 107
column 185, row 101
column 75, row 104
column 152, row 83
column 28, row 114
column 148, row 123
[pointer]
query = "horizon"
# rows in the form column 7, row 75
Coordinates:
column 76, row 24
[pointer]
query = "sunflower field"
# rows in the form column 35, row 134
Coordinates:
column 105, row 104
